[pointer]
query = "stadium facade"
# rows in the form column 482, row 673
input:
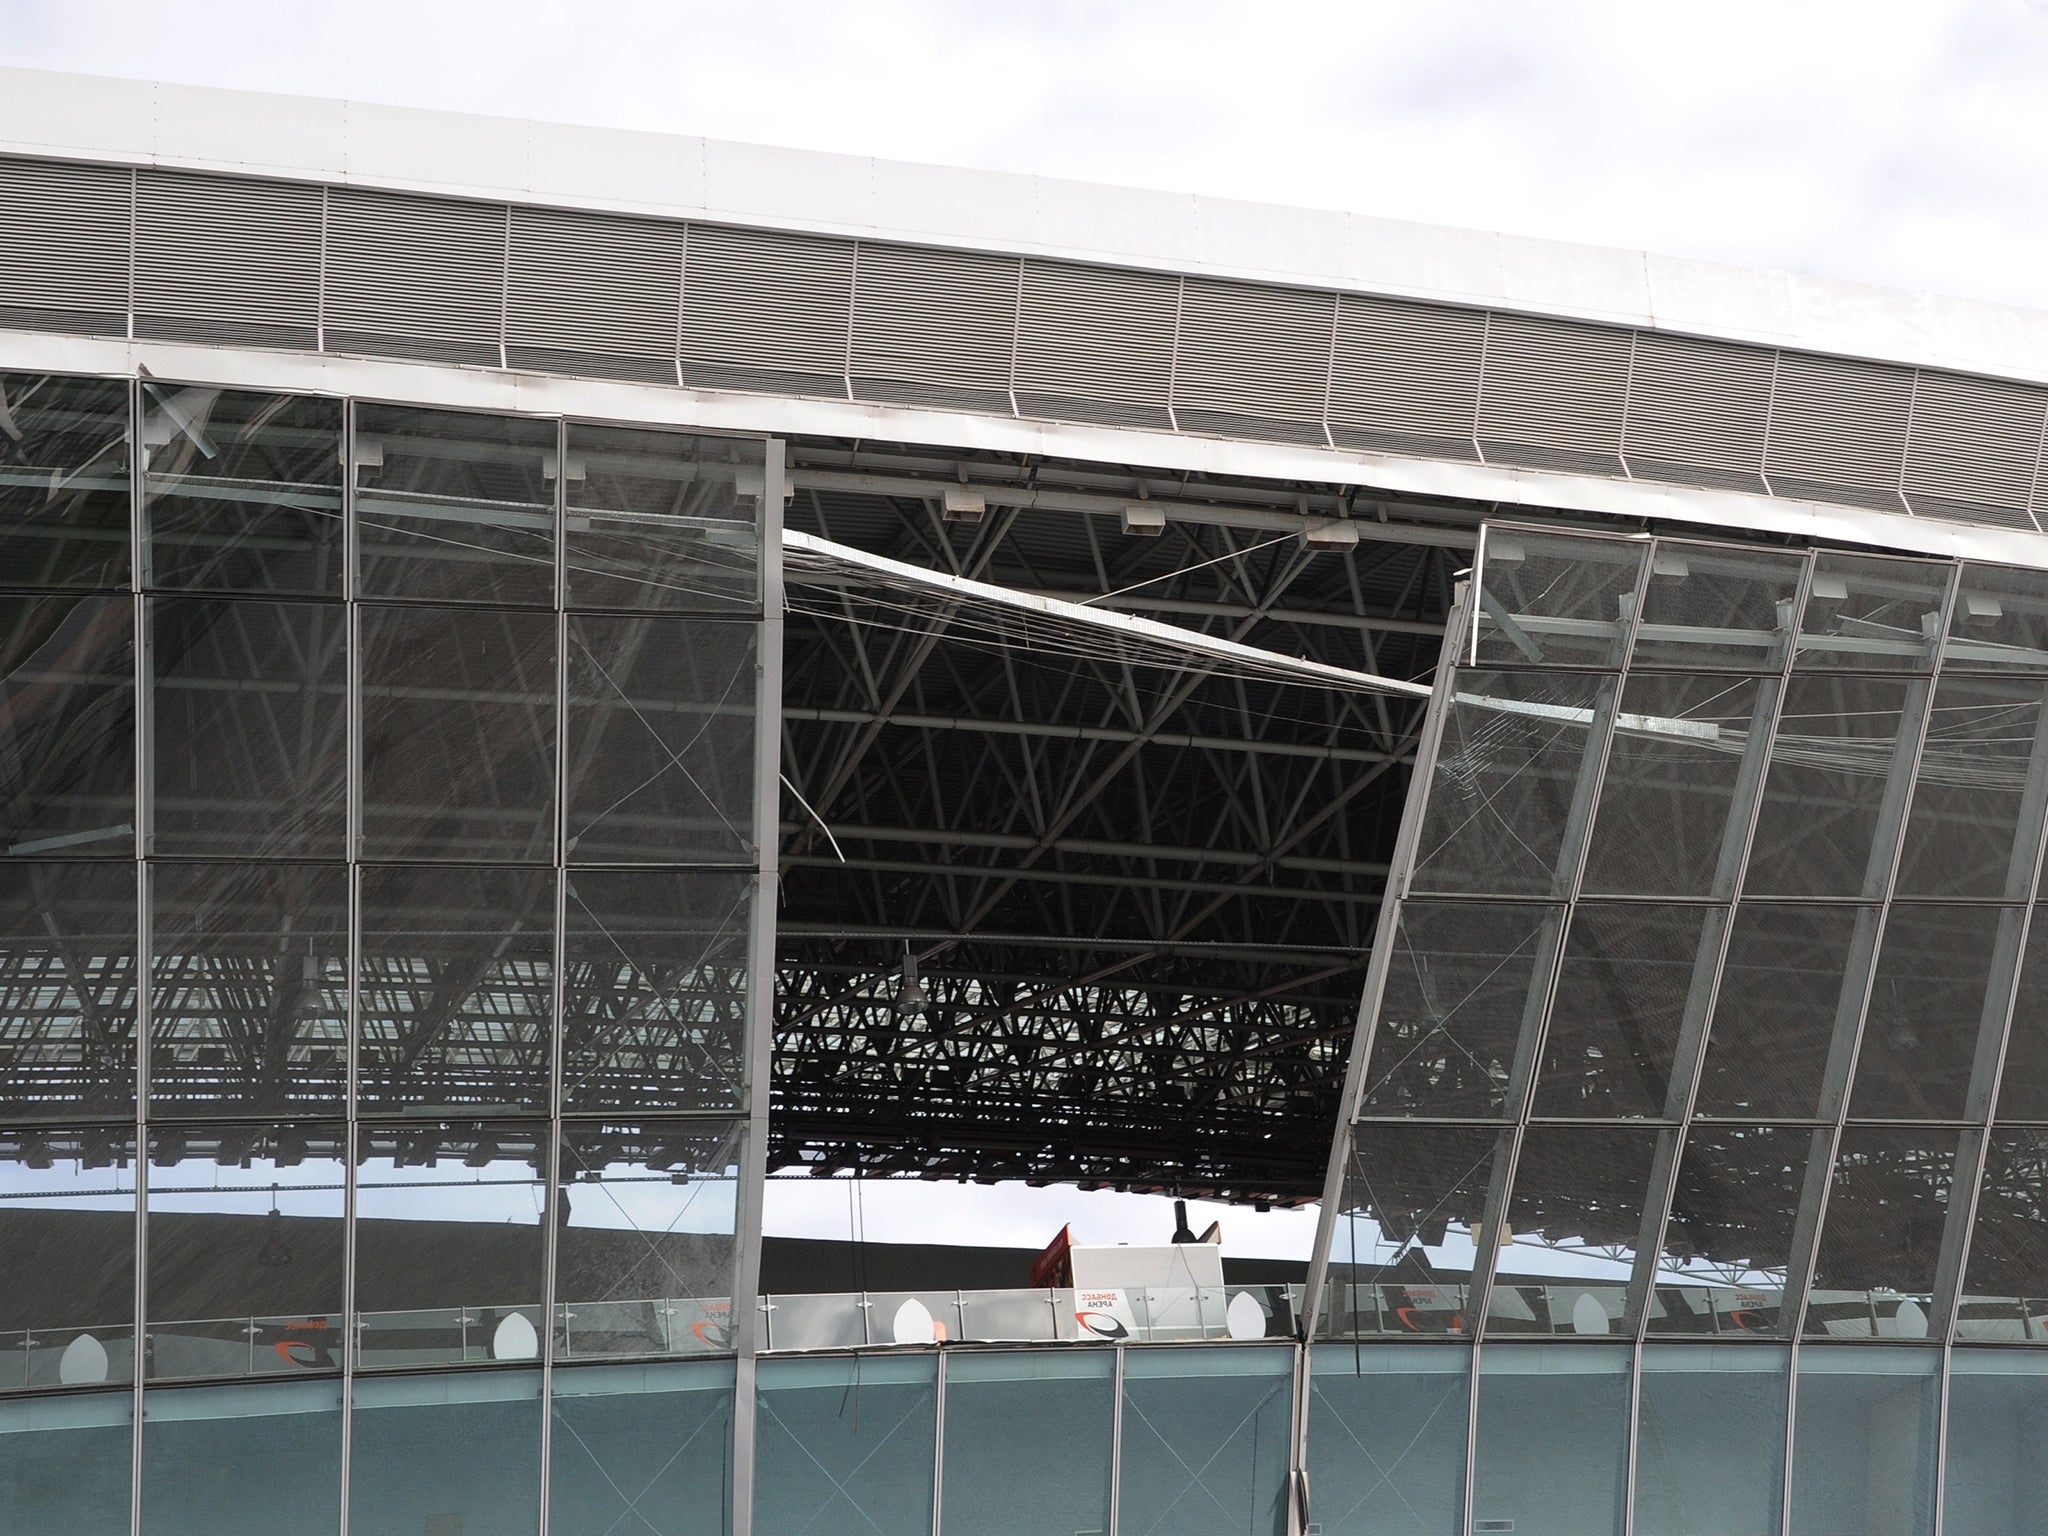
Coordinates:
column 549, row 675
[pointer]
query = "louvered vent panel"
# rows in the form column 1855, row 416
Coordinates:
column 1406, row 378
column 64, row 247
column 765, row 311
column 1838, row 430
column 1553, row 394
column 1971, row 455
column 1253, row 362
column 227, row 261
column 414, row 277
column 593, row 295
column 1095, row 344
column 933, row 327
column 1697, row 412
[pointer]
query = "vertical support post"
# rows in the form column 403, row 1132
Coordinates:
column 138, row 466
column 352, row 821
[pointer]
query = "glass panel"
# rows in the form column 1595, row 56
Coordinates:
column 1997, row 1445
column 1402, row 1255
column 249, row 988
column 655, row 992
column 1465, row 988
column 67, row 756
column 242, row 1460
column 1623, row 988
column 242, row 491
column 2023, row 1084
column 67, row 991
column 1873, row 1276
column 1051, row 1476
column 452, row 1453
column 451, row 1227
column 1676, row 794
column 1863, row 1442
column 1926, row 1012
column 63, row 482
column 66, row 1464
column 1202, row 1435
column 1710, row 1441
column 1822, row 829
column 1868, row 612
column 453, row 506
column 846, row 1445
column 2005, row 1297
column 458, row 734
column 67, row 1227
column 1516, row 746
column 245, row 1249
column 1964, row 837
column 1552, row 1449
column 643, row 1449
column 1713, row 606
column 645, row 1251
column 1574, row 1221
column 1999, row 623
column 1552, row 599
column 1728, row 1236
column 457, row 989
column 1386, row 1440
column 1774, row 1017
column 661, row 740
column 662, row 520
column 250, row 706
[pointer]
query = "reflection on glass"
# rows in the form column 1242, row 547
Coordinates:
column 1932, row 1001
column 453, row 506
column 242, row 1458
column 1971, row 833
column 661, row 740
column 241, row 490
column 1710, row 1440
column 245, row 1249
column 250, row 704
column 1997, row 1443
column 2005, row 1294
column 249, row 988
column 1575, row 1218
column 663, row 520
column 458, row 734
column 1999, row 622
column 456, row 989
column 845, row 1445
column 67, row 1228
column 1680, row 779
column 1056, row 1476
column 67, row 991
column 1873, row 1276
column 1863, row 1435
column 1519, row 750
column 1386, row 1440
column 1624, row 988
column 1402, row 1257
column 1728, row 1236
column 2023, row 1083
column 1464, row 995
column 1828, row 823
column 1783, row 987
column 1716, row 606
column 642, row 1448
column 451, row 1225
column 65, row 1463
column 63, row 481
column 455, row 1452
column 67, row 757
column 655, row 990
column 1552, row 599
column 1200, row 1426
column 1872, row 613
column 645, row 1247
column 1551, row 1453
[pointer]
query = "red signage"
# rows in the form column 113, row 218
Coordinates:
column 1055, row 1266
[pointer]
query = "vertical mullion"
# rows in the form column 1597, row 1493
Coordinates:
column 139, row 669
column 1116, row 1442
column 551, row 1239
column 352, row 791
column 939, row 1444
column 1471, row 1432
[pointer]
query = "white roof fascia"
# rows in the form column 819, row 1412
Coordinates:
column 68, row 116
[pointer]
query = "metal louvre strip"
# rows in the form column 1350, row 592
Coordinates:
column 1250, row 356
column 64, row 241
column 1553, row 392
column 584, row 284
column 1698, row 411
column 220, row 259
column 1095, row 344
column 414, row 276
column 1840, row 424
column 768, row 308
column 933, row 326
column 1405, row 376
column 1975, row 441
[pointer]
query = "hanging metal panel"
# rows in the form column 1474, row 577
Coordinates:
column 414, row 277
column 64, row 247
column 594, row 295
column 766, row 311
column 228, row 261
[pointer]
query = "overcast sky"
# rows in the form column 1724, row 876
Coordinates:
column 1893, row 141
